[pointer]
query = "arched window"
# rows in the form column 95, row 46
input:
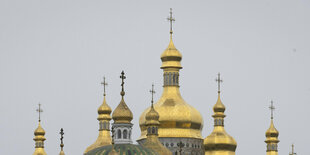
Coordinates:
column 125, row 134
column 119, row 134
column 169, row 79
column 129, row 134
column 173, row 79
column 149, row 130
column 153, row 130
column 104, row 125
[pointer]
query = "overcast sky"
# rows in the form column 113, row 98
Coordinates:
column 57, row 51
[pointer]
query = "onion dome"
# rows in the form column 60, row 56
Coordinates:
column 122, row 114
column 152, row 117
column 219, row 140
column 121, row 149
column 272, row 135
column 171, row 57
column 104, row 117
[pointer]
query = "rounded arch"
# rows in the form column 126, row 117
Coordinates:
column 119, row 134
column 125, row 133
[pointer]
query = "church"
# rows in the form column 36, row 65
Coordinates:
column 169, row 126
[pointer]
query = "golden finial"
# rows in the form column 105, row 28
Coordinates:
column 171, row 19
column 104, row 85
column 61, row 138
column 219, row 81
column 272, row 108
column 152, row 91
column 39, row 110
column 123, row 77
column 293, row 153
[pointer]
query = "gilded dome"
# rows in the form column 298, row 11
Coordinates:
column 152, row 117
column 122, row 114
column 272, row 131
column 171, row 57
column 104, row 108
column 39, row 131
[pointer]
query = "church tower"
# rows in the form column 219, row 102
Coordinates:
column 219, row 142
column 104, row 111
column 179, row 121
column 272, row 136
column 39, row 136
column 122, row 117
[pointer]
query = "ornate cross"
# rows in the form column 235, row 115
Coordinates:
column 152, row 91
column 123, row 77
column 61, row 138
column 272, row 108
column 219, row 81
column 171, row 19
column 104, row 85
column 39, row 110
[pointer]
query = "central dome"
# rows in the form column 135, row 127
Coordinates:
column 177, row 118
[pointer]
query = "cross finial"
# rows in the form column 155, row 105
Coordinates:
column 104, row 85
column 171, row 19
column 39, row 110
column 219, row 81
column 272, row 108
column 152, row 91
column 123, row 77
column 61, row 138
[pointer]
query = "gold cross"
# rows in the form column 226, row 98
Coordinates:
column 171, row 19
column 61, row 138
column 219, row 81
column 104, row 84
column 272, row 108
column 123, row 77
column 39, row 110
column 152, row 91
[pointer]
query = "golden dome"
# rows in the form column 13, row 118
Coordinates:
column 171, row 57
column 272, row 131
column 152, row 117
column 39, row 131
column 122, row 114
column 104, row 111
column 219, row 106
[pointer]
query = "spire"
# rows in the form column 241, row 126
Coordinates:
column 272, row 135
column 293, row 153
column 104, row 117
column 219, row 141
column 61, row 141
column 39, row 136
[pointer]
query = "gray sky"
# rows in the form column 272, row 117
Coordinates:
column 57, row 51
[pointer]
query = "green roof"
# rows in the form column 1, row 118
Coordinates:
column 122, row 149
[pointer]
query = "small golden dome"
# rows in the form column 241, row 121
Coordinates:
column 219, row 106
column 104, row 108
column 272, row 131
column 122, row 114
column 39, row 131
column 171, row 57
column 152, row 117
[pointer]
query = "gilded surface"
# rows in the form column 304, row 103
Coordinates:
column 39, row 139
column 122, row 114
